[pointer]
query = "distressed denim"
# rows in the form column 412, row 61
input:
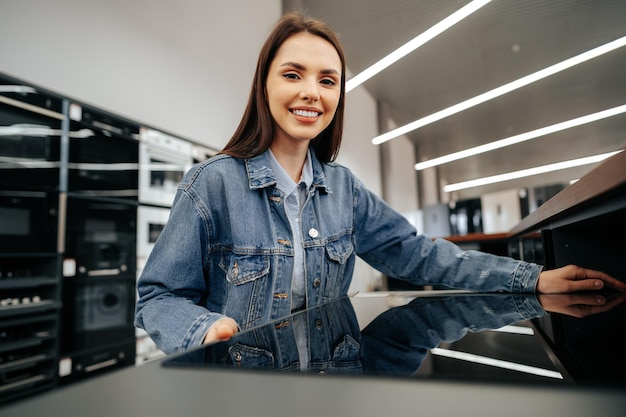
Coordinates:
column 226, row 250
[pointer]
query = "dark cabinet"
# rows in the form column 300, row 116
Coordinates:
column 30, row 306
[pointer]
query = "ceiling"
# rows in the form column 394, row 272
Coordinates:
column 501, row 42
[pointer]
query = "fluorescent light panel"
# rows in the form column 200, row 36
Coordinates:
column 522, row 137
column 528, row 172
column 499, row 91
column 415, row 43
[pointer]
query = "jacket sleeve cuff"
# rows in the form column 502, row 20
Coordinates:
column 525, row 277
column 197, row 331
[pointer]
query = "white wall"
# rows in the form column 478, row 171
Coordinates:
column 399, row 176
column 358, row 154
column 184, row 66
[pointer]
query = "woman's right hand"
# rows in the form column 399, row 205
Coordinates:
column 221, row 330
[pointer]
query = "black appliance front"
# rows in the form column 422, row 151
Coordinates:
column 28, row 221
column 104, row 162
column 97, row 327
column 30, row 138
column 98, row 312
column 101, row 238
column 99, row 276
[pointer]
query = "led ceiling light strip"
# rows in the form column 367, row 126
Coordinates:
column 484, row 360
column 415, row 43
column 528, row 172
column 504, row 89
column 522, row 137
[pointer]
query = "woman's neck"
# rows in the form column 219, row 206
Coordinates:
column 291, row 159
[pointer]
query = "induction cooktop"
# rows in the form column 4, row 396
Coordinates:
column 569, row 339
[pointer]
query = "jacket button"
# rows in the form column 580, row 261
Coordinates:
column 318, row 324
column 313, row 233
column 316, row 282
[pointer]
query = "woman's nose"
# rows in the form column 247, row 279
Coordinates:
column 310, row 91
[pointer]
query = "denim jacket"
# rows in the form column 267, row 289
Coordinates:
column 226, row 250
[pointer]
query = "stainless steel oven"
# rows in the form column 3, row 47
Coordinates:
column 150, row 221
column 163, row 160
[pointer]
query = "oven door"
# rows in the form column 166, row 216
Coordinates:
column 28, row 221
column 100, row 239
column 163, row 161
column 100, row 311
column 105, row 162
column 150, row 222
column 30, row 138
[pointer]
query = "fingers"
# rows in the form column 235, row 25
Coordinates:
column 221, row 330
column 586, row 285
column 597, row 279
column 225, row 331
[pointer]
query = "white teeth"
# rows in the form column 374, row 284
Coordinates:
column 305, row 113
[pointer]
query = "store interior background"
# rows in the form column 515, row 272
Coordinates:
column 186, row 67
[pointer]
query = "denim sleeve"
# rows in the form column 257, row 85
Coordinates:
column 172, row 284
column 389, row 243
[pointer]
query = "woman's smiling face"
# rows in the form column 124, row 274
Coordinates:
column 303, row 87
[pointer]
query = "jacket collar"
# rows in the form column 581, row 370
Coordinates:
column 260, row 175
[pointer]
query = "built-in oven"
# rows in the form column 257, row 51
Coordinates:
column 101, row 312
column 100, row 238
column 163, row 160
column 105, row 162
column 99, row 281
column 30, row 136
column 97, row 331
column 28, row 221
column 150, row 222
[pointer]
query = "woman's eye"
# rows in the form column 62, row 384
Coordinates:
column 328, row 81
column 291, row 76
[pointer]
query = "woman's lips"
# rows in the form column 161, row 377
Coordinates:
column 306, row 116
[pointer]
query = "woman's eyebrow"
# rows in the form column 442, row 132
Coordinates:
column 295, row 65
column 303, row 68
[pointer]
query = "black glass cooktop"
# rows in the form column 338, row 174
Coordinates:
column 574, row 339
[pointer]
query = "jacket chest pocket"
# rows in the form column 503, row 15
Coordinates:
column 245, row 292
column 337, row 253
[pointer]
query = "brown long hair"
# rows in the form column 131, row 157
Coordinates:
column 256, row 129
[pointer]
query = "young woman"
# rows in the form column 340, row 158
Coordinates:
column 272, row 224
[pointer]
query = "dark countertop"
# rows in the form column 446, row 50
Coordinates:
column 394, row 332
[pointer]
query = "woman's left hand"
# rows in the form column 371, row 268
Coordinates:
column 573, row 278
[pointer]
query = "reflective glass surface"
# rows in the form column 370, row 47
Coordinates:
column 561, row 340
